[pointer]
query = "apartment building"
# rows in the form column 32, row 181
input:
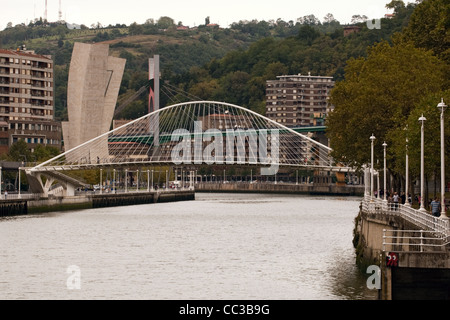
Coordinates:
column 26, row 100
column 299, row 100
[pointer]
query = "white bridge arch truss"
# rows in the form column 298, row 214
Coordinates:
column 196, row 133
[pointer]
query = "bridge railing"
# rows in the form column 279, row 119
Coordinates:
column 17, row 196
column 411, row 240
column 422, row 219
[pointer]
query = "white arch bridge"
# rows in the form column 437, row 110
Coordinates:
column 189, row 134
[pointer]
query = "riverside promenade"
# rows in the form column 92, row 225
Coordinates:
column 410, row 246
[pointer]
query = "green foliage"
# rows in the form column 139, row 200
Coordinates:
column 249, row 51
column 377, row 97
column 43, row 153
column 20, row 151
column 429, row 27
column 412, row 131
column 309, row 49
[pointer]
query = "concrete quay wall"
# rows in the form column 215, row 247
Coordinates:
column 34, row 206
column 312, row 189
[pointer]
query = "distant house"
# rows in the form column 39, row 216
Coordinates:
column 182, row 28
column 351, row 29
column 389, row 15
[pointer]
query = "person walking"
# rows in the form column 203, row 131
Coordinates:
column 435, row 207
column 395, row 198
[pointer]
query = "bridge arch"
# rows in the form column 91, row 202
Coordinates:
column 150, row 138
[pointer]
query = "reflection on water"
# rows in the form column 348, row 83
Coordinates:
column 221, row 246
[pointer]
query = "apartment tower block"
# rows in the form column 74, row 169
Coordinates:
column 26, row 100
column 299, row 100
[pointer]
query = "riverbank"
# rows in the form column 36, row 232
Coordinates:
column 43, row 205
column 281, row 188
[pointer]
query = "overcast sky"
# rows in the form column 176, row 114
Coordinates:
column 190, row 12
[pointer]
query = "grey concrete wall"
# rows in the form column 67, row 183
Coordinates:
column 93, row 87
column 280, row 188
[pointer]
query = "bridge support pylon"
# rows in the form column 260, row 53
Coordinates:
column 67, row 185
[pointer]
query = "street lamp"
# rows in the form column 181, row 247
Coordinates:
column 384, row 190
column 422, row 119
column 372, row 139
column 407, row 176
column 101, row 178
column 442, row 106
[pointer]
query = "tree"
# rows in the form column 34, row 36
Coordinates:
column 135, row 29
column 309, row 20
column 397, row 5
column 429, row 27
column 308, row 34
column 19, row 151
column 329, row 18
column 165, row 22
column 357, row 18
column 412, row 132
column 42, row 153
column 377, row 97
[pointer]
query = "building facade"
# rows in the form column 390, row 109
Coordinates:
column 92, row 90
column 299, row 100
column 26, row 100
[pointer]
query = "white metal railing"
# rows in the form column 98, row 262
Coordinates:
column 16, row 196
column 413, row 240
column 422, row 219
column 56, row 191
column 133, row 191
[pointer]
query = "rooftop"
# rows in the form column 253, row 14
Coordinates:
column 24, row 53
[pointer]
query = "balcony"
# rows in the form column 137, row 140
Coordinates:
column 37, row 84
column 37, row 94
column 39, row 75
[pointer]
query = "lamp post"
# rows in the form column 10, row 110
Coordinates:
column 152, row 181
column 372, row 139
column 378, row 182
column 126, row 180
column 137, row 179
column 407, row 204
column 114, row 181
column 19, row 196
column 442, row 106
column 101, row 172
column 422, row 119
column 384, row 186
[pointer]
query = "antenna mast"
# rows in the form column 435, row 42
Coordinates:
column 60, row 12
column 45, row 12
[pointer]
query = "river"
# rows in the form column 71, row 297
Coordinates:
column 220, row 246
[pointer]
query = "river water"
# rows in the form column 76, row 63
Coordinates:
column 220, row 246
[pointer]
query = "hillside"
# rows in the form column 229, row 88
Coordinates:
column 207, row 62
